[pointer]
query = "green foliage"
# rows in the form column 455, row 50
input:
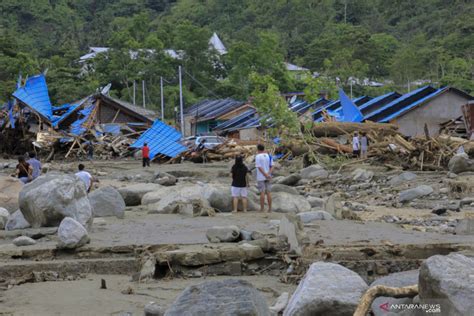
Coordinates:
column 270, row 104
column 321, row 86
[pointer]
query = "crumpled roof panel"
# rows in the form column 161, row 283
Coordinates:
column 162, row 139
column 35, row 95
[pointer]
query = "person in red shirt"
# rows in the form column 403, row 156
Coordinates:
column 146, row 155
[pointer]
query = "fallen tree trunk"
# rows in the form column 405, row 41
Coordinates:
column 334, row 129
column 381, row 290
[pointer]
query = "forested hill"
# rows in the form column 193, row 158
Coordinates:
column 400, row 40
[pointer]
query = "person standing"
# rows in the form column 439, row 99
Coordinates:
column 364, row 146
column 240, row 183
column 24, row 170
column 90, row 151
column 84, row 176
column 146, row 155
column 264, row 176
column 356, row 145
column 35, row 164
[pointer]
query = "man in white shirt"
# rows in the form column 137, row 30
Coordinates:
column 84, row 176
column 356, row 144
column 263, row 163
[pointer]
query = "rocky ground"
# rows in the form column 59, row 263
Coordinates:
column 151, row 233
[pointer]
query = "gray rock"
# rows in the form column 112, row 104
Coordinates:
column 460, row 163
column 71, row 234
column 448, row 280
column 107, row 201
column 133, row 194
column 326, row 289
column 16, row 221
column 316, row 202
column 402, row 178
column 414, row 193
column 289, row 203
column 399, row 279
column 284, row 188
column 292, row 227
column 314, row 172
column 292, row 179
column 153, row 309
column 50, row 198
column 466, row 201
column 9, row 190
column 24, row 241
column 245, row 234
column 362, row 175
column 4, row 215
column 165, row 179
column 216, row 298
column 223, row 233
column 308, row 217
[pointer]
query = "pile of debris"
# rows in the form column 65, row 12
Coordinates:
column 227, row 150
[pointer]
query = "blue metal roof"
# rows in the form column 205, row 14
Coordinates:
column 210, row 109
column 397, row 104
column 336, row 106
column 77, row 127
column 411, row 106
column 377, row 102
column 245, row 116
column 35, row 95
column 162, row 139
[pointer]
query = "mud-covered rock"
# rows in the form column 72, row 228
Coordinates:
column 216, row 298
column 133, row 194
column 292, row 179
column 9, row 190
column 16, row 221
column 24, row 241
column 448, row 280
column 314, row 172
column 4, row 214
column 402, row 178
column 308, row 217
column 460, row 163
column 414, row 193
column 223, row 233
column 71, row 234
column 327, row 289
column 50, row 198
column 107, row 201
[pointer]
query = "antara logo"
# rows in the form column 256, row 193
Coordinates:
column 384, row 307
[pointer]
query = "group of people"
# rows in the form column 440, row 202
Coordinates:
column 28, row 170
column 240, row 180
column 360, row 146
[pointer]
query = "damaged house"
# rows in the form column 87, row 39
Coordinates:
column 107, row 124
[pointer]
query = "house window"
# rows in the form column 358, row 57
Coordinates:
column 212, row 124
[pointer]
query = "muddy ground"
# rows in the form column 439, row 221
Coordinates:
column 373, row 227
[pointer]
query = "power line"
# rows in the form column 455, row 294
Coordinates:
column 202, row 85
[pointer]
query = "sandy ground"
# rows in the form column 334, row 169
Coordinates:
column 84, row 297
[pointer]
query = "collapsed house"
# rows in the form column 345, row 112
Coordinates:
column 108, row 125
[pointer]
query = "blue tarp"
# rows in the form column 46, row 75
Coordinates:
column 162, row 139
column 77, row 127
column 35, row 94
column 350, row 112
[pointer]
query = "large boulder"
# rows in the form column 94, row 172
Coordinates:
column 314, row 172
column 414, row 193
column 9, row 190
column 165, row 179
column 402, row 178
column 292, row 179
column 326, row 289
column 133, row 194
column 16, row 221
column 460, row 163
column 4, row 215
column 71, row 234
column 49, row 199
column 316, row 202
column 399, row 279
column 447, row 280
column 223, row 233
column 284, row 188
column 107, row 201
column 284, row 202
column 215, row 298
column 292, row 228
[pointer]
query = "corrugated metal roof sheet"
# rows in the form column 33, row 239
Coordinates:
column 211, row 109
column 336, row 106
column 378, row 102
column 399, row 103
column 411, row 106
column 147, row 113
column 34, row 94
column 236, row 120
column 162, row 139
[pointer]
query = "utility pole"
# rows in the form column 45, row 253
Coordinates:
column 143, row 93
column 134, row 88
column 162, row 100
column 181, row 106
column 350, row 82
